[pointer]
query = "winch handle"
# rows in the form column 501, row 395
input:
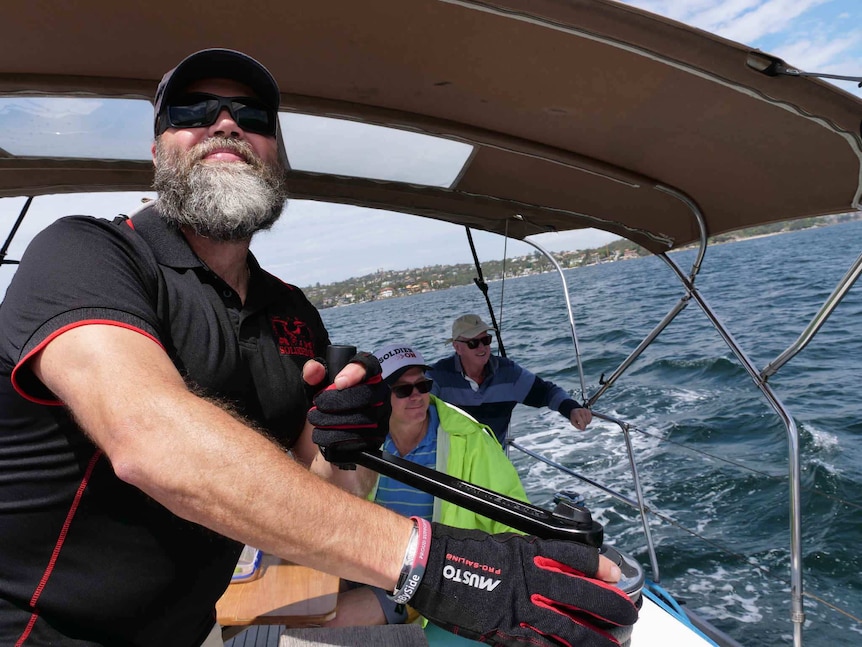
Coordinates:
column 572, row 525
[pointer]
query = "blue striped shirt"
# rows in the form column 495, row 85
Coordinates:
column 505, row 385
column 403, row 499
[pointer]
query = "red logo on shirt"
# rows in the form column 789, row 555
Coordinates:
column 293, row 337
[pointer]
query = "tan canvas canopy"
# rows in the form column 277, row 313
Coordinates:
column 583, row 113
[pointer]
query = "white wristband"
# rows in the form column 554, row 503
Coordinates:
column 415, row 560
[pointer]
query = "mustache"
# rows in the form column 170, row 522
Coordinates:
column 236, row 146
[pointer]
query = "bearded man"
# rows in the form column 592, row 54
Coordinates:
column 152, row 376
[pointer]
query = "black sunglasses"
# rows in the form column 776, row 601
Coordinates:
column 402, row 391
column 474, row 343
column 202, row 109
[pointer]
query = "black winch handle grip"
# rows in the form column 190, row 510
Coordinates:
column 571, row 523
column 337, row 357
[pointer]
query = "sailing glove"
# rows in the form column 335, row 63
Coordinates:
column 354, row 419
column 518, row 590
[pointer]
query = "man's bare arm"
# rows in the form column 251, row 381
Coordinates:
column 208, row 467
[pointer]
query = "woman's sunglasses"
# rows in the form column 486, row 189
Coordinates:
column 402, row 391
column 202, row 109
column 474, row 343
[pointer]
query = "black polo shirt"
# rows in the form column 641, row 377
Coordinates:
column 87, row 559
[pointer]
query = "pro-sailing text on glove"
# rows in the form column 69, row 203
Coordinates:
column 467, row 562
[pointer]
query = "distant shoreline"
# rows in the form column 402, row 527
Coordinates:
column 388, row 284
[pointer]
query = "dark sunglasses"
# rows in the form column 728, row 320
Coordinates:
column 474, row 343
column 202, row 109
column 406, row 390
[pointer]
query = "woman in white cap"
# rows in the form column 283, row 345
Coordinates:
column 430, row 432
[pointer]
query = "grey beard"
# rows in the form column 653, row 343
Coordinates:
column 221, row 201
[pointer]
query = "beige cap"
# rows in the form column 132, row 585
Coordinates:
column 468, row 326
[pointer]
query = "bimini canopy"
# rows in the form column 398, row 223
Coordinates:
column 583, row 113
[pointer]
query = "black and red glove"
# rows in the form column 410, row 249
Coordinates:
column 354, row 419
column 518, row 590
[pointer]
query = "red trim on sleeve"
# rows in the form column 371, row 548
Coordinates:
column 58, row 546
column 54, row 335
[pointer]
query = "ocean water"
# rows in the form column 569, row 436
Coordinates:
column 712, row 455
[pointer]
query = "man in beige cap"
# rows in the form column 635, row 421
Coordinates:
column 488, row 387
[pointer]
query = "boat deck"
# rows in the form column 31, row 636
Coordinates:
column 257, row 636
column 410, row 635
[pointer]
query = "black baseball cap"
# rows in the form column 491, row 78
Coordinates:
column 216, row 63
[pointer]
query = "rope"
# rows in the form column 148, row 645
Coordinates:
column 483, row 287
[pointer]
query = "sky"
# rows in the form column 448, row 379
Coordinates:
column 333, row 242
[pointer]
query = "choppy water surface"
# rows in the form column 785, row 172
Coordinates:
column 712, row 455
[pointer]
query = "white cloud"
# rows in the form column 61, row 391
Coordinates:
column 823, row 54
column 751, row 20
column 740, row 20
